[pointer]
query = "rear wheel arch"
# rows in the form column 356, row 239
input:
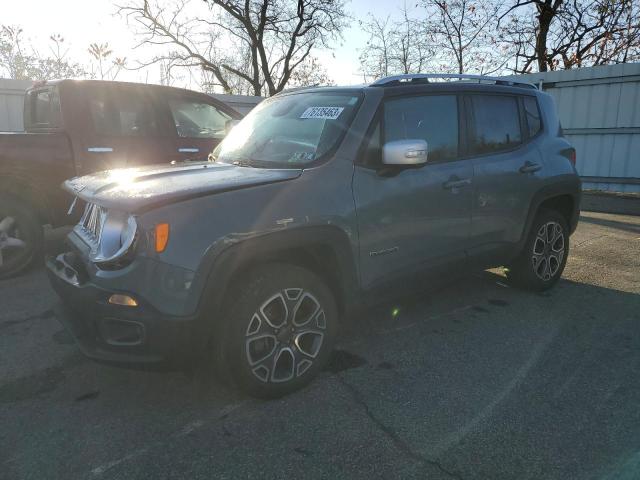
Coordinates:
column 563, row 204
column 26, row 192
column 563, row 197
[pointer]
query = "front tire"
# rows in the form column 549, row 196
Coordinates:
column 280, row 330
column 21, row 237
column 545, row 253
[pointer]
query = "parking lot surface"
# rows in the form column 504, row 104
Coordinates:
column 473, row 380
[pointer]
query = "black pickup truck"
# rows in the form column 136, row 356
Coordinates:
column 76, row 127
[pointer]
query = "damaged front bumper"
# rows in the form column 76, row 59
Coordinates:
column 117, row 334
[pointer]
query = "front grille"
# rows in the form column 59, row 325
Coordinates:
column 90, row 226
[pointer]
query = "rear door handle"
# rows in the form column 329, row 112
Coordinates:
column 188, row 150
column 530, row 167
column 456, row 183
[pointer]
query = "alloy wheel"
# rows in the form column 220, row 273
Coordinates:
column 285, row 336
column 548, row 250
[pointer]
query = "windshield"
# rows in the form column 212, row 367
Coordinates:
column 289, row 131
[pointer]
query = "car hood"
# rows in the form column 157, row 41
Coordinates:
column 138, row 189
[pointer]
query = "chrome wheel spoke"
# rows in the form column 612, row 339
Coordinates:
column 11, row 242
column 5, row 224
column 306, row 308
column 284, row 365
column 9, row 239
column 308, row 342
column 260, row 348
column 536, row 260
column 275, row 311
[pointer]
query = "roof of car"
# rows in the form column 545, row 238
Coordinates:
column 113, row 83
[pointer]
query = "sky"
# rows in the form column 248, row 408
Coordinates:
column 82, row 22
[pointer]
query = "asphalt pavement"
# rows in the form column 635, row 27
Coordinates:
column 472, row 380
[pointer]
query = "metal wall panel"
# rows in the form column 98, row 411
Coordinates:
column 599, row 108
column 11, row 104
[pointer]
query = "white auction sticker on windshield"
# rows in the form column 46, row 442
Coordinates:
column 325, row 113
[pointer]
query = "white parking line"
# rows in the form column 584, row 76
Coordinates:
column 186, row 430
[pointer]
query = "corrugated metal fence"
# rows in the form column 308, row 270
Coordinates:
column 11, row 104
column 600, row 112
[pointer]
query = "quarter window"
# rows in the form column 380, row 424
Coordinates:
column 532, row 113
column 495, row 123
column 195, row 119
column 433, row 118
column 45, row 109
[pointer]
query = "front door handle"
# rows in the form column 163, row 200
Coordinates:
column 188, row 150
column 456, row 183
column 530, row 167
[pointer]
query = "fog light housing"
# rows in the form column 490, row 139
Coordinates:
column 123, row 300
column 121, row 332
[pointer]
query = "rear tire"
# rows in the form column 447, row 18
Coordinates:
column 545, row 253
column 21, row 237
column 279, row 330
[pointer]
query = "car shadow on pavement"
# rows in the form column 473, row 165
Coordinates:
column 616, row 224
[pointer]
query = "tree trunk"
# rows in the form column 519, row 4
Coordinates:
column 546, row 13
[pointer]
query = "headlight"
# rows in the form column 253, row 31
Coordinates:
column 116, row 238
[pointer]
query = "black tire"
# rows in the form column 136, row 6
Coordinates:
column 529, row 270
column 300, row 346
column 25, row 227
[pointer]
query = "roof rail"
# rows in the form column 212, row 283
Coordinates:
column 425, row 77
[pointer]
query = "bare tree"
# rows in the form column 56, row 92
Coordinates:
column 554, row 34
column 266, row 40
column 394, row 46
column 464, row 33
column 102, row 66
column 18, row 58
column 15, row 62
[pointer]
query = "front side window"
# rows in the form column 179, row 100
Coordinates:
column 289, row 131
column 495, row 123
column 194, row 119
column 433, row 118
column 121, row 113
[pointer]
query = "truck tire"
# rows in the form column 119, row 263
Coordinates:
column 280, row 327
column 21, row 237
column 545, row 253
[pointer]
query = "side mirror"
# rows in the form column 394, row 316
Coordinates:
column 228, row 126
column 405, row 152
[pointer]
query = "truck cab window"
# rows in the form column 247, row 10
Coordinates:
column 116, row 113
column 195, row 119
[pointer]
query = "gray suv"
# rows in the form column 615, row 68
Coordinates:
column 318, row 200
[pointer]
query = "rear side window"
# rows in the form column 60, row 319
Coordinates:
column 44, row 109
column 532, row 114
column 122, row 113
column 495, row 123
column 433, row 118
column 195, row 119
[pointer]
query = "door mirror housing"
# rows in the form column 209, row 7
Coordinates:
column 405, row 152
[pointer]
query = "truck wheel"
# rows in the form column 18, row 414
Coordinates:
column 21, row 237
column 280, row 329
column 545, row 253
